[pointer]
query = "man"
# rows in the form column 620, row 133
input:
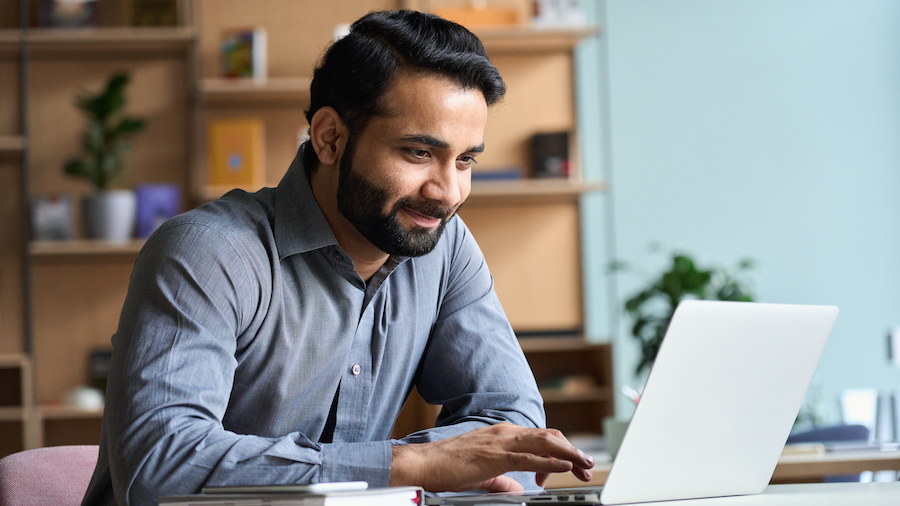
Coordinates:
column 273, row 337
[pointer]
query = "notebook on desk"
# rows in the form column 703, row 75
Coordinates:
column 717, row 407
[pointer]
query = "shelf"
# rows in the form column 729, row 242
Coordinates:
column 12, row 414
column 529, row 40
column 12, row 143
column 112, row 40
column 561, row 397
column 61, row 412
column 85, row 247
column 281, row 89
column 13, row 360
column 551, row 344
column 487, row 192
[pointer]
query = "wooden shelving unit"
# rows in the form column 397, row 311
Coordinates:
column 72, row 291
column 555, row 359
column 91, row 276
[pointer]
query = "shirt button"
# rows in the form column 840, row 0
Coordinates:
column 338, row 256
column 355, row 370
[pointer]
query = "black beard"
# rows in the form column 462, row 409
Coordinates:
column 361, row 201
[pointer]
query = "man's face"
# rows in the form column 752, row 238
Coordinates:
column 406, row 174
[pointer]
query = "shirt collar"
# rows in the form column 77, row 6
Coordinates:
column 300, row 225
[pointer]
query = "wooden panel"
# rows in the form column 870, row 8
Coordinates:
column 77, row 306
column 539, row 98
column 83, row 431
column 9, row 96
column 10, row 438
column 533, row 254
column 11, row 321
column 9, row 13
column 157, row 92
column 298, row 31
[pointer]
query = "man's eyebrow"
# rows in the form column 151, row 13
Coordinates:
column 435, row 142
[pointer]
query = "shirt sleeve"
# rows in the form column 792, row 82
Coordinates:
column 474, row 366
column 172, row 371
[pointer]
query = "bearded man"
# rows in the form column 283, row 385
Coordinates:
column 272, row 338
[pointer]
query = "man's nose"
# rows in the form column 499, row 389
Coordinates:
column 443, row 184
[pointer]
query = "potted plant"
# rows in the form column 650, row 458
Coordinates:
column 107, row 213
column 653, row 306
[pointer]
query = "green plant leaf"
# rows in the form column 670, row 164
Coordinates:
column 129, row 126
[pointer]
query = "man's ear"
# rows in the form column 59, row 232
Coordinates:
column 328, row 135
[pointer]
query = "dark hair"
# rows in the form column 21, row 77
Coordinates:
column 357, row 70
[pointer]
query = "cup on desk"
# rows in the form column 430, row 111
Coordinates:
column 613, row 433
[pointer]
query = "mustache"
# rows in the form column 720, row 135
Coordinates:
column 426, row 207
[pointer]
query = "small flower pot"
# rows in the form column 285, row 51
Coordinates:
column 109, row 215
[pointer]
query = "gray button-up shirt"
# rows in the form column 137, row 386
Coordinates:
column 243, row 319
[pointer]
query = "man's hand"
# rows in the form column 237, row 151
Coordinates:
column 478, row 459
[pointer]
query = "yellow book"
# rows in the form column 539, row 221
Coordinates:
column 236, row 152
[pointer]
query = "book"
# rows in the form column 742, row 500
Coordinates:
column 392, row 496
column 156, row 203
column 236, row 156
column 244, row 53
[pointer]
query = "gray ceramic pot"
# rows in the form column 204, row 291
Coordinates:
column 109, row 215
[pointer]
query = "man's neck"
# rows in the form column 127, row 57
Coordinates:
column 367, row 258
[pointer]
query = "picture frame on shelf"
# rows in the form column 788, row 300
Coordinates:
column 51, row 218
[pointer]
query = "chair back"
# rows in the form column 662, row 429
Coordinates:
column 56, row 475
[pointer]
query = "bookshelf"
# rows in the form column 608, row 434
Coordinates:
column 72, row 292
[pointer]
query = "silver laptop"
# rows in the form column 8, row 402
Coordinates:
column 717, row 407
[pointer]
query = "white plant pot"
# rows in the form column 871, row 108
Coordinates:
column 109, row 215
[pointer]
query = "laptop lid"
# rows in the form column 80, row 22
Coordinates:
column 720, row 401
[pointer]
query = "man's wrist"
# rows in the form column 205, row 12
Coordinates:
column 405, row 466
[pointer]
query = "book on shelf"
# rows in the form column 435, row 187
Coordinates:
column 156, row 203
column 509, row 174
column 392, row 496
column 244, row 53
column 236, row 152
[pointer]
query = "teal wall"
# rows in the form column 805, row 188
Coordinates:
column 762, row 128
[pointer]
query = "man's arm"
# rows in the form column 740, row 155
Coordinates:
column 191, row 294
column 475, row 368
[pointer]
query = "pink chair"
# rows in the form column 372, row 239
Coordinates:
column 56, row 475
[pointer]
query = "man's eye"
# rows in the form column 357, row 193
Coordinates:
column 419, row 153
column 468, row 160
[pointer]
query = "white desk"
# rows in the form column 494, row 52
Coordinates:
column 791, row 468
column 808, row 494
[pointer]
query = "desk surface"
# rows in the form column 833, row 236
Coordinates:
column 797, row 468
column 808, row 494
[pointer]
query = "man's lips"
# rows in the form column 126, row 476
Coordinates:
column 422, row 220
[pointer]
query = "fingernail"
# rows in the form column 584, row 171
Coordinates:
column 588, row 474
column 588, row 458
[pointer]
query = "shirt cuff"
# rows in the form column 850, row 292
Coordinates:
column 370, row 462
